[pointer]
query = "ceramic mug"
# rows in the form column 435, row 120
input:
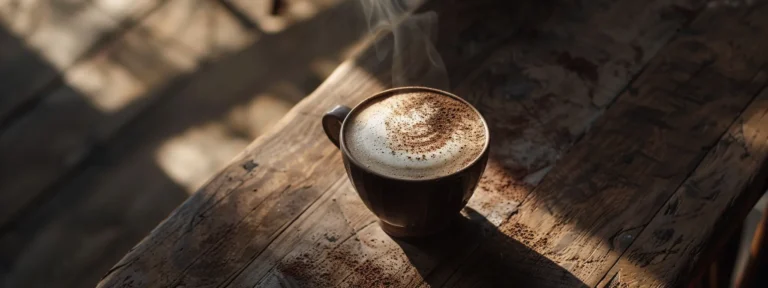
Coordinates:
column 408, row 207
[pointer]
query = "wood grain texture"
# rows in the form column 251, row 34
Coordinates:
column 713, row 201
column 701, row 213
column 106, row 90
column 292, row 219
column 599, row 197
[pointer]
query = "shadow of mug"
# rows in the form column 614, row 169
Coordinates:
column 474, row 253
column 408, row 207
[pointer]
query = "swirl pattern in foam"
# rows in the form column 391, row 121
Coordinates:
column 415, row 135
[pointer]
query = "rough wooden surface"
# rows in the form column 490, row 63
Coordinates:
column 603, row 192
column 283, row 213
column 704, row 209
column 709, row 205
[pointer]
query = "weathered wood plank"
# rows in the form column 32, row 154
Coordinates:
column 103, row 92
column 715, row 198
column 348, row 249
column 598, row 198
column 702, row 211
column 270, row 252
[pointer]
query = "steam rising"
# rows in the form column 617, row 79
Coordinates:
column 415, row 60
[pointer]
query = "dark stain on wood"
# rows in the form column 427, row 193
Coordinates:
column 638, row 53
column 687, row 13
column 663, row 235
column 250, row 165
column 582, row 67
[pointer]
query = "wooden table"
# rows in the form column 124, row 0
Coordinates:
column 629, row 138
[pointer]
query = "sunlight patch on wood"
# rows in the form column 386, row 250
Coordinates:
column 129, row 70
column 60, row 31
column 197, row 154
column 324, row 67
column 204, row 26
column 293, row 11
column 263, row 111
column 125, row 9
column 171, row 42
column 192, row 157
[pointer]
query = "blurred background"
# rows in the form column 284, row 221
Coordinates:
column 112, row 112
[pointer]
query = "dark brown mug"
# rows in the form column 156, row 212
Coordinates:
column 408, row 207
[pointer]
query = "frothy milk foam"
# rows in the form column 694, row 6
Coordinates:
column 415, row 135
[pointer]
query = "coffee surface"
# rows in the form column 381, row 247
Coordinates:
column 415, row 135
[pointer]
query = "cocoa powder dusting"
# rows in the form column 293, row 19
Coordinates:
column 432, row 121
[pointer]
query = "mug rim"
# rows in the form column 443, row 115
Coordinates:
column 387, row 92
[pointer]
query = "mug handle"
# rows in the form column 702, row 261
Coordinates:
column 332, row 122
